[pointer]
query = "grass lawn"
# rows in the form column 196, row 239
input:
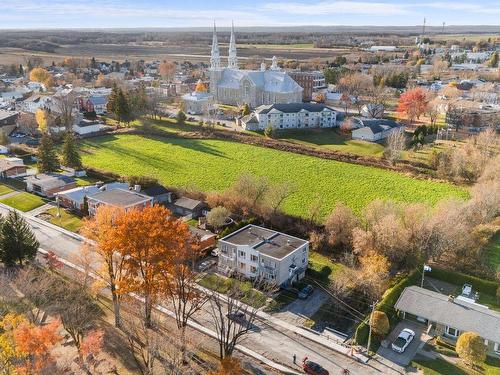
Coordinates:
column 23, row 201
column 321, row 268
column 67, row 220
column 331, row 139
column 441, row 367
column 5, row 189
column 492, row 251
column 221, row 284
column 213, row 165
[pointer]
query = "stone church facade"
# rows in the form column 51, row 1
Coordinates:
column 233, row 86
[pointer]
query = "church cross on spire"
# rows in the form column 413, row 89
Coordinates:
column 215, row 55
column 232, row 58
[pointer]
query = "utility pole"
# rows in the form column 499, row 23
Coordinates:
column 443, row 27
column 370, row 325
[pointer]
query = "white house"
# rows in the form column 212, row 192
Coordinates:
column 84, row 127
column 290, row 116
column 257, row 252
column 375, row 129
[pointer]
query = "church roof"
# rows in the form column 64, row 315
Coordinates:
column 269, row 80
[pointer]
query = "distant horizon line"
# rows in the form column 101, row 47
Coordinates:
column 210, row 28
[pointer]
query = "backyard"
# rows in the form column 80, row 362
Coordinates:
column 213, row 165
column 331, row 139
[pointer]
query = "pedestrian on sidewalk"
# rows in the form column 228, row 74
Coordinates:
column 294, row 359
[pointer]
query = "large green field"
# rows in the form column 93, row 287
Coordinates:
column 212, row 165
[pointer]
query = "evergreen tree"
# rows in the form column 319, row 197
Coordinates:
column 493, row 63
column 122, row 107
column 47, row 158
column 93, row 64
column 85, row 208
column 70, row 155
column 112, row 99
column 21, row 70
column 18, row 243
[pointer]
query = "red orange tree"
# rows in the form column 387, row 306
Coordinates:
column 412, row 103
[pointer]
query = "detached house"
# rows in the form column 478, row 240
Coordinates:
column 257, row 252
column 375, row 129
column 126, row 199
column 449, row 317
column 12, row 167
column 48, row 185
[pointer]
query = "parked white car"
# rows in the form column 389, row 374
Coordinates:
column 403, row 340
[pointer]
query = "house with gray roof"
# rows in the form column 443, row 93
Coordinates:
column 49, row 184
column 448, row 317
column 290, row 116
column 371, row 129
column 257, row 252
column 126, row 199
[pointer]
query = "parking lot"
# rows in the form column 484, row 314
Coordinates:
column 405, row 358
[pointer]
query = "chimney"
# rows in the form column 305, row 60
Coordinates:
column 263, row 67
column 137, row 188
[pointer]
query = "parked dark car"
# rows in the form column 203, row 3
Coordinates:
column 206, row 264
column 306, row 292
column 313, row 368
column 32, row 142
column 238, row 317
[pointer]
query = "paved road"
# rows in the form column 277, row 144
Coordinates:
column 277, row 344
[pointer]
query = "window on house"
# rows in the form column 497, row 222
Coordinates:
column 242, row 266
column 241, row 254
column 496, row 348
column 450, row 331
column 253, row 269
column 254, row 258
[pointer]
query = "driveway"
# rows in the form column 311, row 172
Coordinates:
column 405, row 358
column 298, row 311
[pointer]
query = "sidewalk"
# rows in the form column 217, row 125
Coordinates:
column 191, row 323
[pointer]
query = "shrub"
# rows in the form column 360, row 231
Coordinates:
column 386, row 305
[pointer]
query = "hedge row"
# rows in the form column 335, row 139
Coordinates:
column 457, row 278
column 387, row 305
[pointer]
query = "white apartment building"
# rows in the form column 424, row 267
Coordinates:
column 290, row 116
column 257, row 252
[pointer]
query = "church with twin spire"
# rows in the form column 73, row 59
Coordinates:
column 233, row 86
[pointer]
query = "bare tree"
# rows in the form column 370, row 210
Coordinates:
column 65, row 105
column 356, row 85
column 278, row 193
column 232, row 319
column 339, row 226
column 395, row 146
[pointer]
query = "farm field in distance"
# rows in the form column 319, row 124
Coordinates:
column 213, row 165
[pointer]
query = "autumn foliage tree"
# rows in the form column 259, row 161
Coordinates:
column 26, row 348
column 100, row 228
column 412, row 104
column 380, row 323
column 470, row 347
column 41, row 75
column 148, row 240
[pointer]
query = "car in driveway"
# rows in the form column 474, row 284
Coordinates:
column 313, row 368
column 403, row 340
column 206, row 264
column 306, row 291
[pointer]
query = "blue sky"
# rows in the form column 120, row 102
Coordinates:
column 187, row 13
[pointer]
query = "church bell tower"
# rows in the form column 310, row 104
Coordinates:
column 215, row 68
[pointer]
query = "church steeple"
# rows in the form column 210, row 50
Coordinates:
column 232, row 59
column 215, row 55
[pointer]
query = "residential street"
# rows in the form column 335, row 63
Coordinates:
column 274, row 342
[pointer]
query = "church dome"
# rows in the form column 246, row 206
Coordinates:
column 200, row 86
